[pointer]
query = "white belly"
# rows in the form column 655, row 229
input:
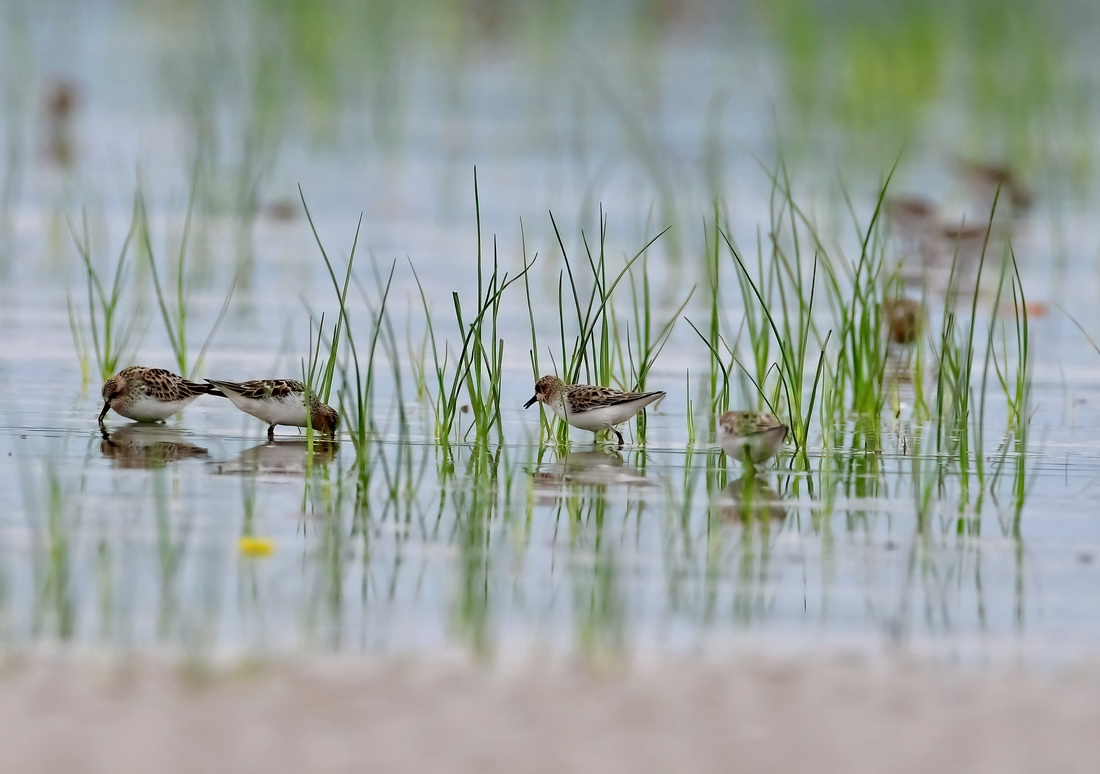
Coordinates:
column 601, row 418
column 147, row 409
column 289, row 411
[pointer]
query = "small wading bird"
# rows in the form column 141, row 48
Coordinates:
column 149, row 394
column 750, row 436
column 904, row 319
column 280, row 402
column 590, row 407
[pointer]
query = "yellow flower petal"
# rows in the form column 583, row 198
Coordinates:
column 256, row 546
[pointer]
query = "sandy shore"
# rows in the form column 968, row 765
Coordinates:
column 753, row 715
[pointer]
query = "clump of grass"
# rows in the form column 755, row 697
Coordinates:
column 778, row 301
column 861, row 364
column 785, row 334
column 174, row 312
column 357, row 369
column 648, row 341
column 318, row 371
column 588, row 357
column 111, row 325
column 476, row 373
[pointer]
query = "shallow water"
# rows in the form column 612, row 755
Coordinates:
column 133, row 542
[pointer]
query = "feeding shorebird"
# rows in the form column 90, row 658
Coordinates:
column 986, row 178
column 904, row 319
column 149, row 394
column 590, row 407
column 911, row 215
column 280, row 402
column 750, row 434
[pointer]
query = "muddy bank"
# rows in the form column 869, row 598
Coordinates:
column 752, row 715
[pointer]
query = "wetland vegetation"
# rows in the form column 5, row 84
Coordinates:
column 872, row 224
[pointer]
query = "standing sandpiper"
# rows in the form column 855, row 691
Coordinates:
column 590, row 407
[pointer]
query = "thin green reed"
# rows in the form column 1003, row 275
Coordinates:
column 648, row 342
column 483, row 378
column 965, row 394
column 1018, row 388
column 318, row 373
column 719, row 388
column 591, row 353
column 862, row 360
column 792, row 342
column 477, row 371
column 597, row 345
column 480, row 363
column 536, row 371
column 111, row 329
column 955, row 381
column 640, row 358
column 854, row 294
column 363, row 379
column 357, row 393
column 385, row 334
column 175, row 317
column 439, row 365
column 1018, row 392
column 1015, row 386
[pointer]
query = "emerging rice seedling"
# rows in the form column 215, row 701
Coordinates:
column 590, row 356
column 477, row 369
column 112, row 325
column 174, row 312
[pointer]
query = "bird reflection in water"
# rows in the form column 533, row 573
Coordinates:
column 597, row 467
column 148, row 446
column 749, row 500
column 279, row 458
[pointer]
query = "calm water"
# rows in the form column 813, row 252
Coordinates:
column 133, row 543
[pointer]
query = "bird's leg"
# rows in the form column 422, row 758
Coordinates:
column 620, row 436
column 271, row 433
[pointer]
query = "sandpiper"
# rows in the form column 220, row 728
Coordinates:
column 280, row 402
column 149, row 394
column 591, row 407
column 904, row 319
column 750, row 435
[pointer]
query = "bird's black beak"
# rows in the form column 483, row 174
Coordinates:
column 531, row 402
column 106, row 408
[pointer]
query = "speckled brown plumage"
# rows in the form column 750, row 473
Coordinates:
column 591, row 407
column 279, row 402
column 149, row 394
column 756, row 435
column 904, row 319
